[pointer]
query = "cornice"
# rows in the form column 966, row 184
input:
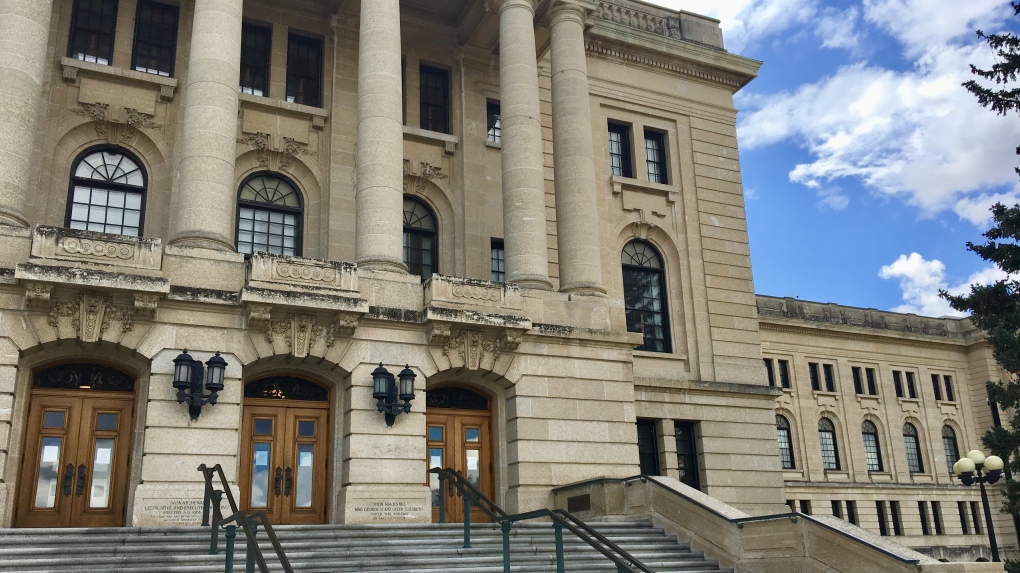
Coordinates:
column 633, row 54
column 818, row 329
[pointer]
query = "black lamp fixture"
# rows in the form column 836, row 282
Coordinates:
column 189, row 377
column 988, row 471
column 386, row 395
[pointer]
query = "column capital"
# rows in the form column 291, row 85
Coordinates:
column 583, row 8
column 500, row 5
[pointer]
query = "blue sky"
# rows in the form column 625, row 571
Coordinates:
column 866, row 166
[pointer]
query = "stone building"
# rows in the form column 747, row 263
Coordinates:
column 533, row 206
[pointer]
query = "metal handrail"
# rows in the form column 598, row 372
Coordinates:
column 248, row 523
column 561, row 519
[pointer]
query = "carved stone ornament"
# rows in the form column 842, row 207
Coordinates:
column 300, row 331
column 259, row 316
column 91, row 315
column 417, row 175
column 116, row 126
column 272, row 157
column 472, row 349
column 37, row 296
column 100, row 249
column 642, row 229
column 145, row 305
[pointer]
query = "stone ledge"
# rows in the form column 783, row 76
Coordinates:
column 71, row 67
column 271, row 104
column 302, row 298
column 90, row 277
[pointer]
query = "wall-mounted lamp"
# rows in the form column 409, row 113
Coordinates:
column 189, row 378
column 386, row 394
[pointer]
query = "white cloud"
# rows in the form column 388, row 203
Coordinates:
column 838, row 29
column 921, row 280
column 920, row 24
column 833, row 198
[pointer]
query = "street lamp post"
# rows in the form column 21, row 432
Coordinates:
column 988, row 470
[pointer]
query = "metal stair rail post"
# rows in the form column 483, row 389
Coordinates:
column 239, row 518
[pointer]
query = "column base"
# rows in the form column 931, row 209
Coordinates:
column 210, row 243
column 387, row 265
column 584, row 289
column 536, row 283
column 367, row 503
column 13, row 219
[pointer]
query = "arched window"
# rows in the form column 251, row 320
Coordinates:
column 269, row 215
column 949, row 444
column 644, row 292
column 107, row 193
column 785, row 442
column 872, row 450
column 913, row 445
column 421, row 239
column 827, row 438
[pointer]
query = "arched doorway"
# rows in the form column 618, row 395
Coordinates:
column 74, row 470
column 459, row 428
column 285, row 449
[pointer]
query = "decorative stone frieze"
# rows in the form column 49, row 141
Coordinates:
column 60, row 244
column 90, row 315
column 301, row 331
column 417, row 175
column 682, row 26
column 473, row 349
column 116, row 125
column 271, row 271
column 276, row 153
column 463, row 293
column 862, row 317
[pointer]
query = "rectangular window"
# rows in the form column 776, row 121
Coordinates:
column 858, row 380
column 837, row 509
column 894, row 512
column 255, row 46
column 434, row 98
column 816, row 383
column 805, row 506
column 872, row 383
column 922, row 509
column 950, row 396
column 619, row 150
column 961, row 506
column 830, row 378
column 784, row 373
column 648, row 448
column 897, row 380
column 304, row 70
column 792, row 504
column 655, row 156
column 155, row 38
column 498, row 261
column 996, row 422
column 883, row 524
column 975, row 515
column 911, row 387
column 768, row 371
column 93, row 23
column 851, row 511
column 936, row 384
column 494, row 130
column 687, row 453
column 936, row 517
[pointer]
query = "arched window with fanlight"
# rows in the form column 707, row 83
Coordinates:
column 827, row 438
column 644, row 293
column 107, row 193
column 785, row 442
column 421, row 238
column 269, row 216
column 872, row 449
column 950, row 446
column 913, row 444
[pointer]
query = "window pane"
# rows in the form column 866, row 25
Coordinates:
column 49, row 472
column 305, row 486
column 304, row 70
column 155, row 38
column 260, row 475
column 102, row 470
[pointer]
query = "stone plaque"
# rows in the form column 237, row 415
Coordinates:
column 388, row 511
column 168, row 512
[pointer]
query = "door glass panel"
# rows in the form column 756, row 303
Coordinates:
column 102, row 466
column 306, row 429
column 106, row 422
column 263, row 427
column 49, row 471
column 260, row 473
column 435, row 433
column 304, row 475
column 472, row 466
column 53, row 420
column 471, row 435
column 435, row 461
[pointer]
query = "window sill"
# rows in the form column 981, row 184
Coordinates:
column 921, row 478
column 882, row 476
column 449, row 142
column 621, row 184
column 493, row 144
column 837, row 475
column 663, row 355
column 71, row 67
column 317, row 115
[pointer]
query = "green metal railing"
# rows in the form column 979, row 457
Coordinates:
column 452, row 481
column 248, row 523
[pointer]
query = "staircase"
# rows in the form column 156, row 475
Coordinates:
column 341, row 549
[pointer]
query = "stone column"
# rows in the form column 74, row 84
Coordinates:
column 379, row 242
column 577, row 218
column 206, row 201
column 24, row 36
column 524, row 223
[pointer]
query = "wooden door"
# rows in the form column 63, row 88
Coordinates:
column 460, row 439
column 284, row 460
column 75, row 468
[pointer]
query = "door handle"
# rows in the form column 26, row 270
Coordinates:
column 289, row 483
column 277, row 479
column 80, row 488
column 68, row 479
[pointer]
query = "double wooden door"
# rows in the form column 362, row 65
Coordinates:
column 461, row 440
column 75, row 466
column 284, row 460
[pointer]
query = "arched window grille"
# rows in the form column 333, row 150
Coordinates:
column 421, row 239
column 785, row 442
column 950, row 446
column 269, row 216
column 107, row 193
column 872, row 449
column 913, row 444
column 827, row 438
column 644, row 292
